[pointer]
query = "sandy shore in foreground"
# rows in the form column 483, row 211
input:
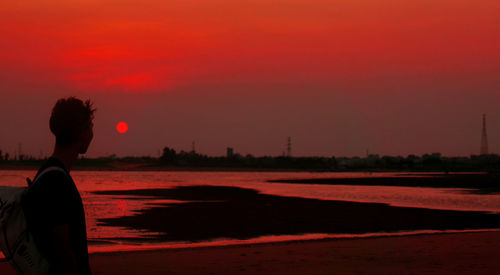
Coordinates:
column 461, row 253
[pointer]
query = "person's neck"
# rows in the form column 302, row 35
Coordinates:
column 67, row 156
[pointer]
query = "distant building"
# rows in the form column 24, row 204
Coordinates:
column 229, row 152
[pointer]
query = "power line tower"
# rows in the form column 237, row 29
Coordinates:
column 193, row 148
column 484, row 139
column 289, row 147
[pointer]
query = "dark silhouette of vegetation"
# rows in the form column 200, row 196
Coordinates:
column 171, row 159
column 426, row 162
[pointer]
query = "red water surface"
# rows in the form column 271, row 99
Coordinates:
column 106, row 238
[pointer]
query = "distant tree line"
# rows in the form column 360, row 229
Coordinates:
column 427, row 162
column 171, row 158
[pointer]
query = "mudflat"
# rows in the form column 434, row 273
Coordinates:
column 460, row 253
column 215, row 212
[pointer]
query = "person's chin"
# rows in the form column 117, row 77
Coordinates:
column 83, row 151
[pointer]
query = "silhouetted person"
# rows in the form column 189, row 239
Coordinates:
column 53, row 205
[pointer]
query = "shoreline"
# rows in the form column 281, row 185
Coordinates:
column 145, row 168
column 263, row 240
column 313, row 240
column 186, row 169
column 458, row 253
column 454, row 253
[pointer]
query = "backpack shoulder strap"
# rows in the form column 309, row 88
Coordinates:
column 49, row 169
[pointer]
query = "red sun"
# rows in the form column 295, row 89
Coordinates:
column 121, row 127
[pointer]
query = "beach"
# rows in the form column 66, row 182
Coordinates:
column 460, row 253
column 243, row 223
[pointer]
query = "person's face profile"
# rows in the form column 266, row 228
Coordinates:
column 87, row 137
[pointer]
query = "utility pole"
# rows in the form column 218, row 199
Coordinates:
column 484, row 139
column 289, row 147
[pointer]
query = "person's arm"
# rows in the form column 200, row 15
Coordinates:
column 63, row 253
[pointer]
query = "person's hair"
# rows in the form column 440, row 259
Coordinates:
column 70, row 118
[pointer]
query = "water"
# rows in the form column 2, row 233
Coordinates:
column 104, row 238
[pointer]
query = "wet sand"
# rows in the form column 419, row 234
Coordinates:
column 462, row 253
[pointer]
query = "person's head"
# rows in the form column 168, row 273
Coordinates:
column 71, row 123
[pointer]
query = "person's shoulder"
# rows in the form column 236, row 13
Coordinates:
column 52, row 174
column 51, row 164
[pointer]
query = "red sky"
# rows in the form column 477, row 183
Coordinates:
column 339, row 77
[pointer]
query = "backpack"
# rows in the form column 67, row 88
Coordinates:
column 16, row 241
